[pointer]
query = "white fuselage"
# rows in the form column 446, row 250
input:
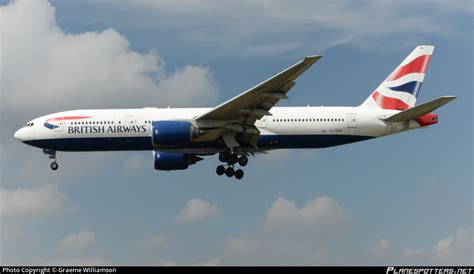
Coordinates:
column 130, row 129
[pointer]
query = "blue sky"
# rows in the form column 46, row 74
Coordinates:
column 402, row 199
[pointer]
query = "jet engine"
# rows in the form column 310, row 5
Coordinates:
column 172, row 133
column 173, row 161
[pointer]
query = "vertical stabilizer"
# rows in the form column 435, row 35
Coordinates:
column 400, row 90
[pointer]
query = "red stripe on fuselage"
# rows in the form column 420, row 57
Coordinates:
column 68, row 118
column 389, row 102
column 417, row 65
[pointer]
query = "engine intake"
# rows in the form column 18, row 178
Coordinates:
column 172, row 133
column 173, row 161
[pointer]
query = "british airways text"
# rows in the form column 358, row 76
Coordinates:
column 105, row 129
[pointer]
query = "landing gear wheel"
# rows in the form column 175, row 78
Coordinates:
column 54, row 165
column 229, row 172
column 220, row 170
column 233, row 159
column 239, row 174
column 243, row 160
column 224, row 156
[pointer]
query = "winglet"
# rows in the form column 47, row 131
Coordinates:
column 312, row 58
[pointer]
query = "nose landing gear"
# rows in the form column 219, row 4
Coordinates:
column 231, row 159
column 51, row 155
column 54, row 165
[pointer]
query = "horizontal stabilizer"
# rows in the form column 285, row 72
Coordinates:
column 420, row 110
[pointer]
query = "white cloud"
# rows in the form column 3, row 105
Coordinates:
column 198, row 210
column 155, row 242
column 45, row 69
column 291, row 234
column 19, row 207
column 27, row 204
column 79, row 248
column 455, row 249
column 17, row 242
column 381, row 248
column 77, row 242
column 280, row 26
column 316, row 215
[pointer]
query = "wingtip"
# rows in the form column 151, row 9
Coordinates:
column 313, row 57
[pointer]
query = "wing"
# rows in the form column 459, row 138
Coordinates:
column 236, row 117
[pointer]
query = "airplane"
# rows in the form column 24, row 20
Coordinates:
column 245, row 125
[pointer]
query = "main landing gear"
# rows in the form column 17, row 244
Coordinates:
column 231, row 159
column 51, row 155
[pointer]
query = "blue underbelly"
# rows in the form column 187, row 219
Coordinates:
column 144, row 143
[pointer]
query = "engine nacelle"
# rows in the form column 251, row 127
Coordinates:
column 173, row 161
column 172, row 133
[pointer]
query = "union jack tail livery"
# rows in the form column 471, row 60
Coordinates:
column 400, row 90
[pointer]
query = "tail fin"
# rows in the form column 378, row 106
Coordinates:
column 400, row 89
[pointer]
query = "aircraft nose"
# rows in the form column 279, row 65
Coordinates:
column 20, row 135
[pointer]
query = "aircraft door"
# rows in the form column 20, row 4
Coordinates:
column 351, row 120
column 129, row 120
column 262, row 123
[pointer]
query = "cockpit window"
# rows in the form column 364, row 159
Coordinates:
column 30, row 124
